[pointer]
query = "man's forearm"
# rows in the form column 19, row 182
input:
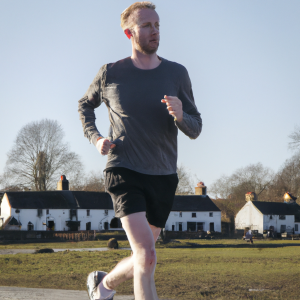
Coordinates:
column 190, row 125
column 87, row 117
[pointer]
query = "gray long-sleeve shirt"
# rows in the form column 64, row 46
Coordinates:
column 144, row 132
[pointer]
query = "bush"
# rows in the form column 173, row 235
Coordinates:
column 45, row 250
column 113, row 244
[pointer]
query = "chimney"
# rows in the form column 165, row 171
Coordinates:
column 200, row 189
column 63, row 184
column 250, row 196
column 289, row 198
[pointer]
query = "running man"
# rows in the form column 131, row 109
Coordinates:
column 148, row 99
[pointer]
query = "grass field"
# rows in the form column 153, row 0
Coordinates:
column 173, row 244
column 223, row 272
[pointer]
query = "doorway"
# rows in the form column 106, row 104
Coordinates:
column 180, row 227
column 105, row 225
column 30, row 226
column 115, row 223
column 212, row 227
column 51, row 225
column 88, row 226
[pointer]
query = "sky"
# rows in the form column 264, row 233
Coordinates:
column 242, row 57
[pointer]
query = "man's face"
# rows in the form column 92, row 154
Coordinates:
column 146, row 30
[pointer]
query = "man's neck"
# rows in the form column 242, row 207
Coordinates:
column 145, row 61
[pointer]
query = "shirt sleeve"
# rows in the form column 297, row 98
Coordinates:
column 87, row 104
column 191, row 124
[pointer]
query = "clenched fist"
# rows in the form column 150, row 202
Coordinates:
column 174, row 106
column 104, row 145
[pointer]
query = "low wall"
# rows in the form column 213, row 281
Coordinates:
column 170, row 235
column 191, row 235
column 87, row 235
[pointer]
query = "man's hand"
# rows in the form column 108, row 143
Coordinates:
column 174, row 106
column 104, row 145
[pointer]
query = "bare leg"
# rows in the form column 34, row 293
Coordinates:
column 141, row 264
column 124, row 269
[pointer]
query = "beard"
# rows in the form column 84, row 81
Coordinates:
column 144, row 47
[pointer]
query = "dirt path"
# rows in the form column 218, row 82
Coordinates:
column 16, row 293
column 28, row 251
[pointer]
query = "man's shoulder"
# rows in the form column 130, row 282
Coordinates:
column 174, row 65
column 122, row 63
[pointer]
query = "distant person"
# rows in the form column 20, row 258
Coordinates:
column 249, row 236
column 148, row 99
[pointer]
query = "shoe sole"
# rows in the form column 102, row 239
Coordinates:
column 101, row 275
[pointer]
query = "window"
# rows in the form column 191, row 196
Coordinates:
column 106, row 212
column 191, row 226
column 281, row 217
column 194, row 216
column 47, row 212
column 296, row 227
column 39, row 212
column 200, row 226
column 180, row 214
column 271, row 217
column 211, row 214
column 73, row 213
column 88, row 214
column 283, row 228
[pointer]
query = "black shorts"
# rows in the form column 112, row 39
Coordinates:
column 133, row 192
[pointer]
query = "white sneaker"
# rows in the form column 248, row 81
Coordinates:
column 93, row 281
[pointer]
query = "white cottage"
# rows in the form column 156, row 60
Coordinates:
column 63, row 210
column 58, row 210
column 194, row 213
column 270, row 216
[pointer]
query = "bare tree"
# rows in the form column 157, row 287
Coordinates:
column 95, row 182
column 5, row 181
column 295, row 139
column 39, row 156
column 185, row 186
column 222, row 187
column 288, row 178
column 252, row 178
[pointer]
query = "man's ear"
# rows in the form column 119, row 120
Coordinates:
column 128, row 33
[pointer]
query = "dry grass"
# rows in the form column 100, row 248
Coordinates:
column 189, row 274
column 60, row 245
column 200, row 243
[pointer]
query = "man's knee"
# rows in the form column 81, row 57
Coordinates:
column 146, row 257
